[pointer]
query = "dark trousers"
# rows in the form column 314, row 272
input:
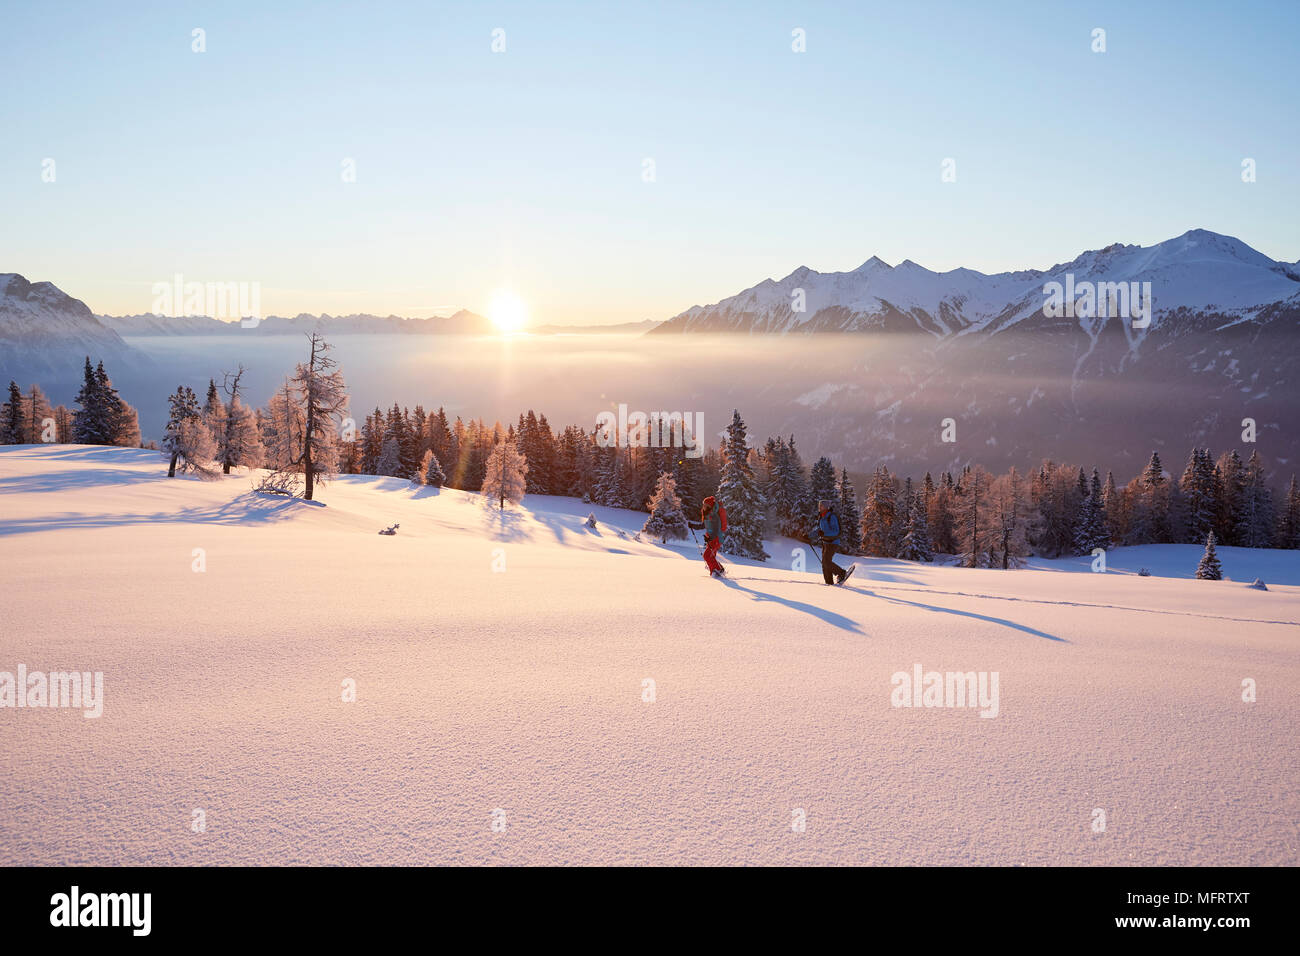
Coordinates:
column 830, row 570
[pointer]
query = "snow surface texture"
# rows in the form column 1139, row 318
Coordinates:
column 521, row 691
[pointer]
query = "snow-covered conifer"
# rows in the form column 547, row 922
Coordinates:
column 11, row 417
column 390, row 459
column 850, row 519
column 666, row 517
column 915, row 545
column 739, row 494
column 187, row 439
column 1209, row 569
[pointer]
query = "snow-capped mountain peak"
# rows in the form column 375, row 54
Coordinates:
column 1199, row 272
column 45, row 330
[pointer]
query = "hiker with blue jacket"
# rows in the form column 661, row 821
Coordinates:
column 828, row 526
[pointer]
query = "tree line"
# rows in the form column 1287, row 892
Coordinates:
column 302, row 436
column 105, row 418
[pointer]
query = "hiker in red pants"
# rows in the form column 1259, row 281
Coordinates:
column 714, row 517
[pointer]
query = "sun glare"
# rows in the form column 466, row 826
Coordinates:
column 508, row 312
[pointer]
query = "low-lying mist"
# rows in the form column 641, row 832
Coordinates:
column 861, row 399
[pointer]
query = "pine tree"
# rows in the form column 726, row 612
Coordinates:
column 186, row 438
column 1256, row 517
column 506, row 474
column 395, row 430
column 1209, row 569
column 822, row 488
column 1198, row 487
column 1112, row 505
column 787, row 493
column 1154, row 503
column 738, row 492
column 441, row 441
column 11, row 417
column 212, row 402
column 238, row 441
column 92, row 424
column 389, row 464
column 915, row 545
column 431, row 470
column 1097, row 490
column 537, row 444
column 879, row 521
column 850, row 533
column 1288, row 527
column 116, row 422
column 214, row 414
column 666, row 518
column 1231, row 493
column 939, row 517
column 372, row 441
column 1090, row 530
column 611, row 478
column 686, row 473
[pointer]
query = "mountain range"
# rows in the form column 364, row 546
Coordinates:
column 43, row 330
column 1199, row 272
column 1219, row 355
column 918, row 348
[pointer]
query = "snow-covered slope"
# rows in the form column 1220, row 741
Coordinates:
column 501, row 666
column 1199, row 271
column 44, row 331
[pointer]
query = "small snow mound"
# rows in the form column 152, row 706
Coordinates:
column 1258, row 585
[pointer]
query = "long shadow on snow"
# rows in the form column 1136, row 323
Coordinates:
column 928, row 607
column 249, row 508
column 830, row 617
column 979, row 617
column 114, row 454
column 79, row 478
column 512, row 526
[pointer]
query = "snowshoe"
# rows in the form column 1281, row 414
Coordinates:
column 847, row 574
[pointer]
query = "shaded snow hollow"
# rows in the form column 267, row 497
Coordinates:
column 522, row 691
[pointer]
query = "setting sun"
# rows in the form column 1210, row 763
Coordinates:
column 508, row 312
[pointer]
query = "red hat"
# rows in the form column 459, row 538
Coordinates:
column 710, row 500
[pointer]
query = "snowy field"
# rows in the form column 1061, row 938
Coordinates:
column 501, row 667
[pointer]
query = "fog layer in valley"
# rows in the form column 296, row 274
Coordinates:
column 862, row 399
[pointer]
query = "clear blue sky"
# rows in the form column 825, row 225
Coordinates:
column 523, row 169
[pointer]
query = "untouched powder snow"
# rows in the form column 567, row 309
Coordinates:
column 517, row 696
